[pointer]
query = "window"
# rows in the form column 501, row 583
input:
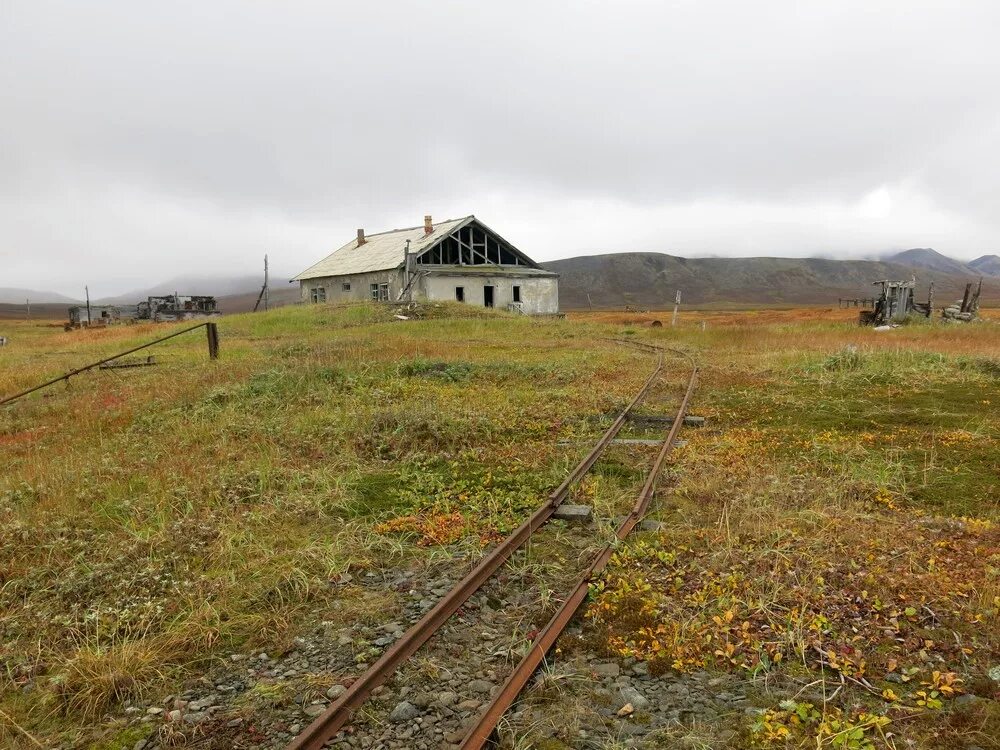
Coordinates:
column 517, row 293
column 373, row 290
column 460, row 293
column 346, row 286
column 488, row 295
column 379, row 292
column 318, row 294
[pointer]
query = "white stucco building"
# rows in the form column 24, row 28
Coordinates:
column 459, row 259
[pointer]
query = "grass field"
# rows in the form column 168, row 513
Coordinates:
column 834, row 525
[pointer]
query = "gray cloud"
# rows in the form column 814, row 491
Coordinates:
column 140, row 140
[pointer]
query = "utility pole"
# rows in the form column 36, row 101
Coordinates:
column 677, row 303
column 27, row 303
column 263, row 290
column 86, row 289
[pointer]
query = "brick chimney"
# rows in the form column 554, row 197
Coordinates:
column 428, row 226
column 361, row 237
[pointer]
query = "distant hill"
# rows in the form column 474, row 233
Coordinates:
column 926, row 258
column 649, row 280
column 15, row 296
column 217, row 286
column 279, row 296
column 987, row 265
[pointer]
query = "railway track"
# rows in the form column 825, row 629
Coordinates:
column 326, row 726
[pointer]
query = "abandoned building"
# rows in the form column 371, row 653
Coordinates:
column 85, row 316
column 171, row 307
column 459, row 259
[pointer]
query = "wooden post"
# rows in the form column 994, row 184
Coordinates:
column 677, row 302
column 966, row 296
column 930, row 300
column 211, row 329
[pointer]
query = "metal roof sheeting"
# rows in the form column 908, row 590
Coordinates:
column 381, row 252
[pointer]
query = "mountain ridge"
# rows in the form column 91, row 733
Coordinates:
column 650, row 280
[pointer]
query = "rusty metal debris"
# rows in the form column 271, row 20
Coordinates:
column 125, row 363
column 213, row 353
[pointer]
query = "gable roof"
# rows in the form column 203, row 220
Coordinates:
column 386, row 251
column 381, row 252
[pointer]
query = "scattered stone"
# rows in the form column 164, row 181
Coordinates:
column 606, row 669
column 573, row 513
column 446, row 698
column 175, row 715
column 994, row 673
column 627, row 710
column 404, row 711
column 481, row 686
column 634, row 697
column 154, row 710
column 204, row 703
column 314, row 709
column 335, row 692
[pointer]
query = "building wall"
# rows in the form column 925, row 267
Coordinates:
column 539, row 294
column 360, row 290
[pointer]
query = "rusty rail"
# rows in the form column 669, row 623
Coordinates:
column 327, row 724
column 480, row 733
column 213, row 353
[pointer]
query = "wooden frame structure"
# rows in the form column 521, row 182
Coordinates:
column 473, row 245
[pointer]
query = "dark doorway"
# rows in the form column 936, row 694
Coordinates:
column 460, row 293
column 488, row 296
column 517, row 293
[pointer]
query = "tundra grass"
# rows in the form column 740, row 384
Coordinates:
column 155, row 520
column 832, row 536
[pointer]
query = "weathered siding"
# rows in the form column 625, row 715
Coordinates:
column 539, row 294
column 360, row 290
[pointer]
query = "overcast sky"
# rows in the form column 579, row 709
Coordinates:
column 144, row 140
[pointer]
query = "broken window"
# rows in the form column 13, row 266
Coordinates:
column 373, row 289
column 383, row 292
column 460, row 293
column 347, row 286
column 517, row 293
column 318, row 294
column 488, row 296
